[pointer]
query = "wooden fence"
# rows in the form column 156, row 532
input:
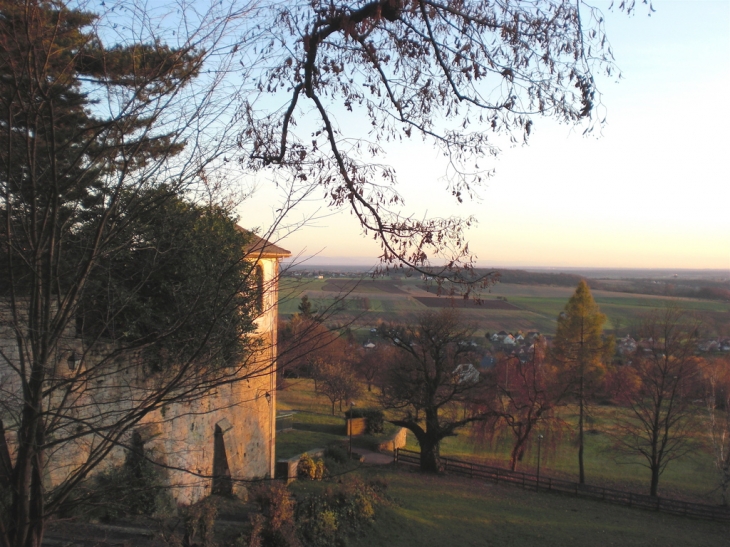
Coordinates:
column 527, row 480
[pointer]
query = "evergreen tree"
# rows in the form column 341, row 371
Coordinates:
column 99, row 146
column 580, row 349
column 305, row 307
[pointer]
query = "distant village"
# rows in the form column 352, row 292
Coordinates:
column 522, row 346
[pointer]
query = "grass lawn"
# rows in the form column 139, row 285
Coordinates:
column 298, row 394
column 314, row 425
column 691, row 477
column 440, row 511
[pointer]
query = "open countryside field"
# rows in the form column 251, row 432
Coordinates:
column 511, row 307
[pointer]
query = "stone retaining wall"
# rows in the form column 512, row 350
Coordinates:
column 286, row 469
column 396, row 441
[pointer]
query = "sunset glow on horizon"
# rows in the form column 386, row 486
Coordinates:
column 652, row 191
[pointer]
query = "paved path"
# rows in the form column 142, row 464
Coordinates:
column 374, row 458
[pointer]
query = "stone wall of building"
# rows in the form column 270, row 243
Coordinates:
column 221, row 441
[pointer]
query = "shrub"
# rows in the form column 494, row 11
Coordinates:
column 309, row 468
column 198, row 522
column 276, row 504
column 275, row 526
column 137, row 487
column 325, row 519
column 336, row 454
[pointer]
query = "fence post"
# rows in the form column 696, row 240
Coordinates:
column 395, row 455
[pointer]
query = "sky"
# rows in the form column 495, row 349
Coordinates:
column 651, row 191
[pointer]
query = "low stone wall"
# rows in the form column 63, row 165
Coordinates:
column 286, row 469
column 396, row 441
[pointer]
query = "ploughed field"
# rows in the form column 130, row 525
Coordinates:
column 365, row 302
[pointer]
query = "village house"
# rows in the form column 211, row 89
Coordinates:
column 626, row 345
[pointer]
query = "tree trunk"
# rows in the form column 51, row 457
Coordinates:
column 516, row 454
column 654, row 481
column 581, row 413
column 6, row 465
column 429, row 441
column 429, row 455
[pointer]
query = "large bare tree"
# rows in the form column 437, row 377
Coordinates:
column 432, row 385
column 716, row 375
column 662, row 417
column 349, row 79
column 524, row 400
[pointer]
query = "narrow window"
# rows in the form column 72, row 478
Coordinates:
column 259, row 289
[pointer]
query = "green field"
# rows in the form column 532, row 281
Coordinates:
column 366, row 302
column 691, row 477
column 426, row 511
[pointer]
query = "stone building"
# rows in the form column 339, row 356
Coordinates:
column 232, row 434
column 216, row 443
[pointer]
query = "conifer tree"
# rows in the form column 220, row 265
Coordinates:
column 102, row 254
column 580, row 349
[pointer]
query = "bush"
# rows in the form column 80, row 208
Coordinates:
column 275, row 526
column 137, row 487
column 198, row 522
column 336, row 453
column 309, row 468
column 325, row 519
column 374, row 419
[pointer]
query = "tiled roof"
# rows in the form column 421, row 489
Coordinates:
column 262, row 248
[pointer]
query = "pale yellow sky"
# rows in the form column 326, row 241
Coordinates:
column 653, row 191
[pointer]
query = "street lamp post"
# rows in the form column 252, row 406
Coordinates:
column 539, row 443
column 352, row 404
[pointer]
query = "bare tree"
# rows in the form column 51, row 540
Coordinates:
column 337, row 382
column 371, row 364
column 716, row 372
column 662, row 417
column 457, row 74
column 307, row 346
column 432, row 385
column 525, row 398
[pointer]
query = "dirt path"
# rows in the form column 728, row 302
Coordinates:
column 374, row 458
